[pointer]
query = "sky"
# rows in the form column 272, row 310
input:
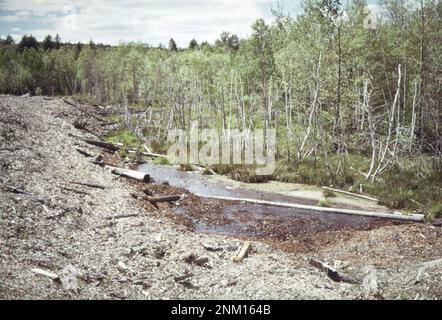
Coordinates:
column 146, row 21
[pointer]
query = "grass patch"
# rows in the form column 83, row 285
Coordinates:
column 240, row 172
column 161, row 161
column 126, row 137
column 324, row 203
column 328, row 193
column 400, row 187
column 435, row 211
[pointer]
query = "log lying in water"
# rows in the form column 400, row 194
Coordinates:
column 351, row 194
column 132, row 174
column 386, row 215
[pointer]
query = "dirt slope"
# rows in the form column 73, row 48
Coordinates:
column 50, row 223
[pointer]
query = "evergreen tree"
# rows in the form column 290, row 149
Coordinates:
column 193, row 44
column 57, row 41
column 47, row 43
column 172, row 45
column 9, row 40
column 28, row 41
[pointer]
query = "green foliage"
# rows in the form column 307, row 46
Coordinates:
column 161, row 161
column 193, row 44
column 239, row 172
column 129, row 139
column 324, row 203
column 435, row 211
column 172, row 45
column 328, row 193
column 28, row 42
column 396, row 198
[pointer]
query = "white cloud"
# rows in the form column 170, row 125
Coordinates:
column 135, row 20
column 17, row 16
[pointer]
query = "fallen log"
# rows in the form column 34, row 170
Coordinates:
column 155, row 155
column 242, row 252
column 183, row 277
column 348, row 193
column 102, row 163
column 132, row 174
column 90, row 185
column 375, row 214
column 108, row 124
column 51, row 275
column 82, row 126
column 69, row 102
column 84, row 153
column 332, row 273
column 163, row 198
column 102, row 144
column 121, row 216
column 16, row 190
column 76, row 191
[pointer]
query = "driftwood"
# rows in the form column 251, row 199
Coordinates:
column 82, row 126
column 351, row 194
column 163, row 198
column 150, row 154
column 102, row 144
column 103, row 163
column 69, row 102
column 121, row 216
column 332, row 273
column 51, row 275
column 75, row 191
column 183, row 277
column 90, row 185
column 16, row 190
column 242, row 252
column 132, row 174
column 84, row 153
column 375, row 214
column 108, row 124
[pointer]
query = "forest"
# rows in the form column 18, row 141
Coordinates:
column 356, row 104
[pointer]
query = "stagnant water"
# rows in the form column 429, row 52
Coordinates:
column 244, row 219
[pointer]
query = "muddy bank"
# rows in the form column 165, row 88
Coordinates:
column 109, row 244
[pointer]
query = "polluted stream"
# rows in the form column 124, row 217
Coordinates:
column 236, row 218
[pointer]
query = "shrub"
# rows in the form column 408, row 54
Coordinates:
column 324, row 203
column 435, row 211
column 161, row 160
column 126, row 137
column 328, row 193
column 207, row 171
column 396, row 198
column 185, row 167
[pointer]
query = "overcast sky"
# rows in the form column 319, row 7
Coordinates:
column 147, row 21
